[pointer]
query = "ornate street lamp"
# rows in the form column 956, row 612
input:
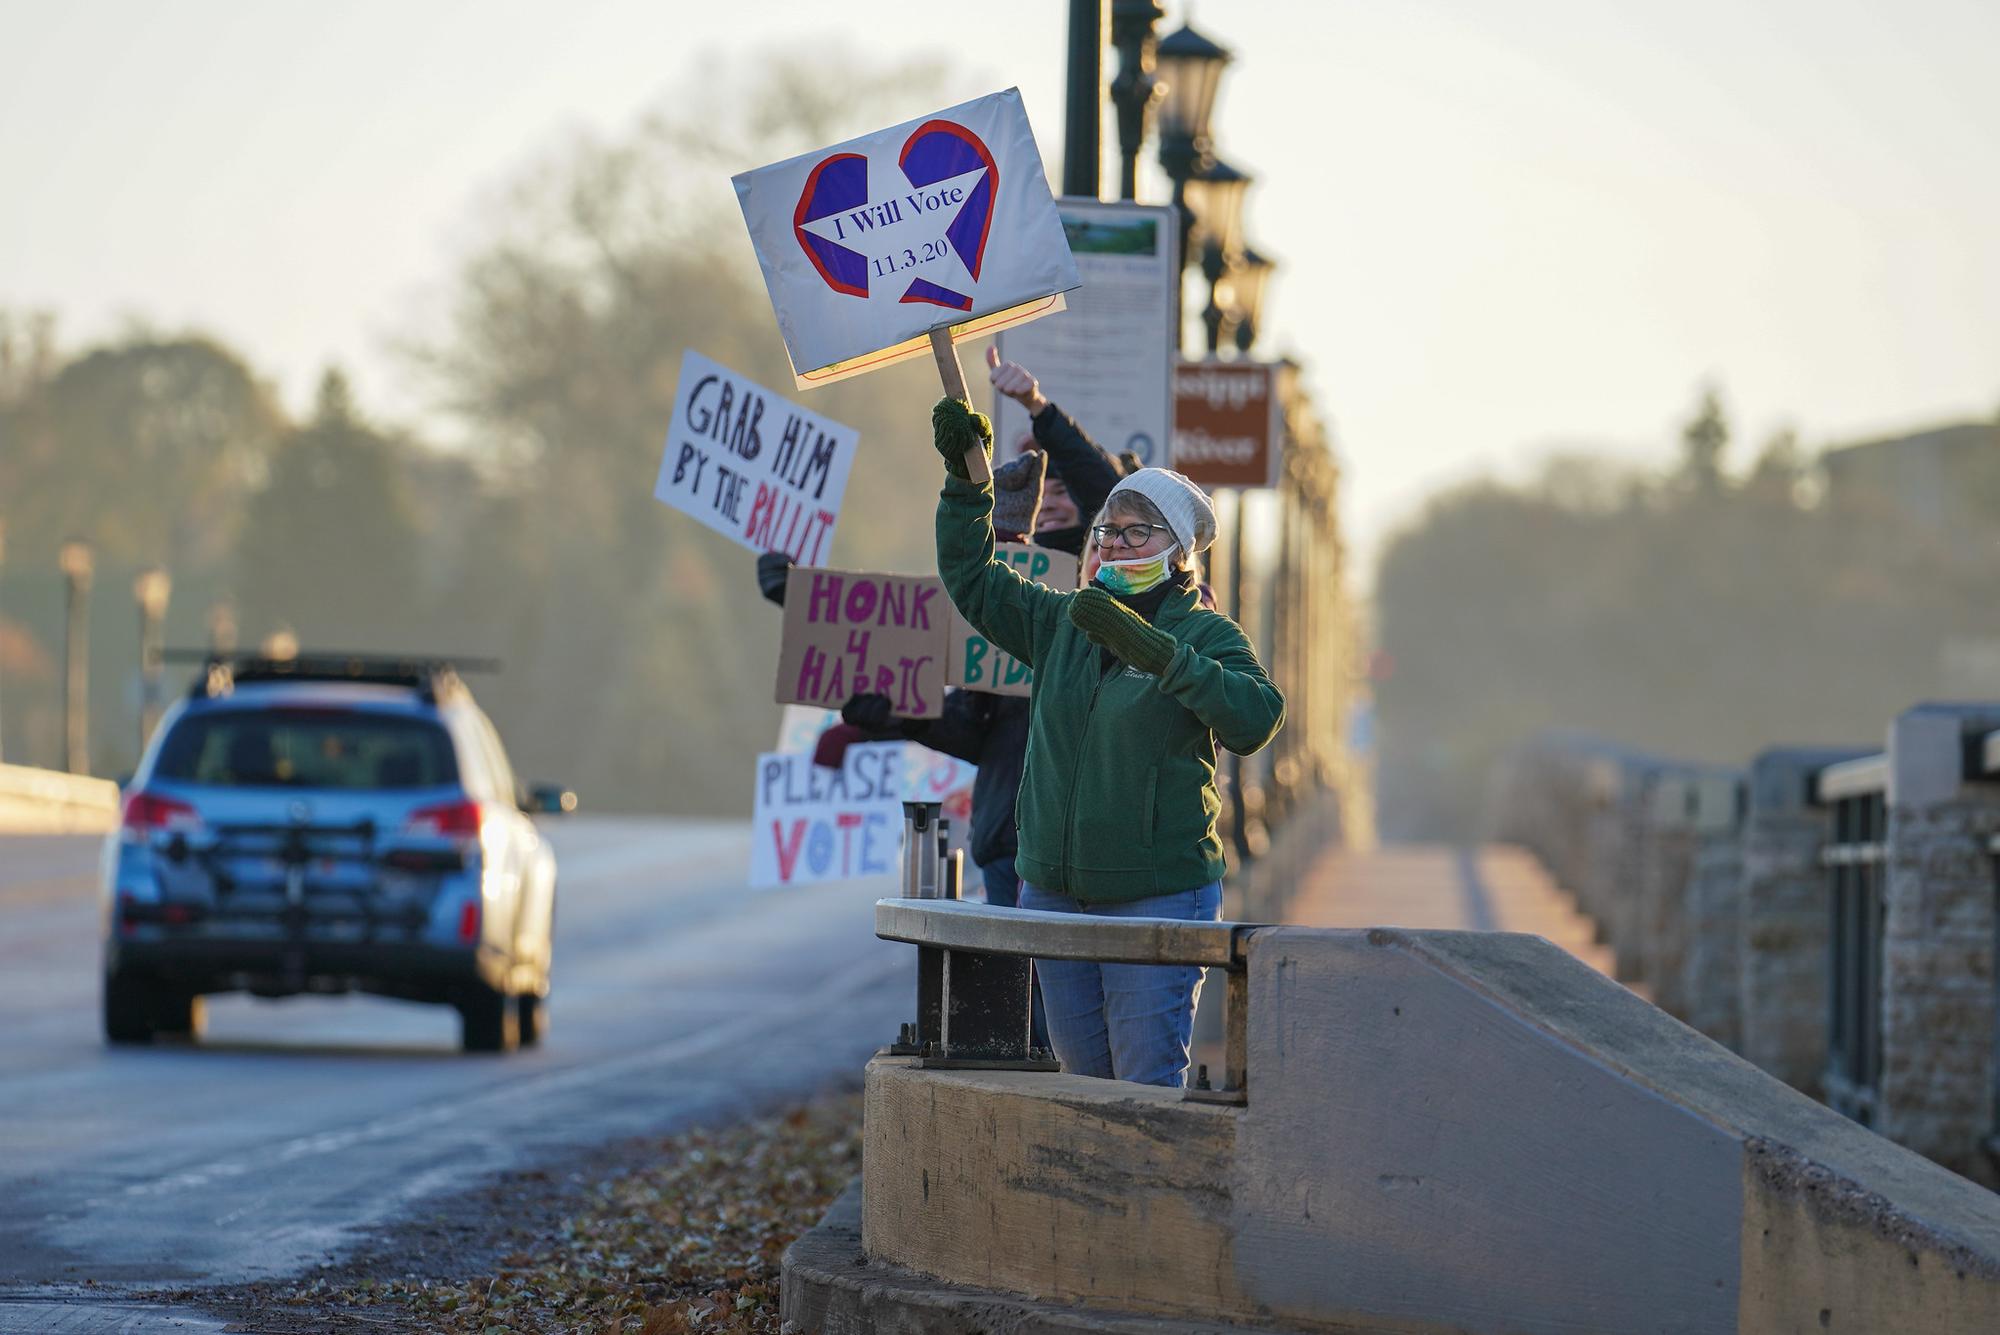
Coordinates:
column 151, row 588
column 1135, row 89
column 1248, row 285
column 1216, row 194
column 1190, row 66
column 78, row 565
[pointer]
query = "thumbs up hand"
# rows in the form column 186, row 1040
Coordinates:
column 1013, row 380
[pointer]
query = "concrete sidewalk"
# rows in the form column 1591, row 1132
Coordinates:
column 1491, row 888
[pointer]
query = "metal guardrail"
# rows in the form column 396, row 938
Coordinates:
column 1034, row 934
column 971, row 1013
column 1855, row 793
column 975, row 972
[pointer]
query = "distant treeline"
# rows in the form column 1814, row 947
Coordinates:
column 1699, row 614
column 638, row 658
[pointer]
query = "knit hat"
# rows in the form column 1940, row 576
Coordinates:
column 1017, row 493
column 1181, row 503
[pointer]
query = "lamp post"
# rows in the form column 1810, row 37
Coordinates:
column 1190, row 66
column 1248, row 286
column 1135, row 89
column 151, row 588
column 221, row 629
column 77, row 566
column 1086, row 66
column 1219, row 205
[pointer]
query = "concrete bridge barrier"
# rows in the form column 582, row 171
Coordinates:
column 40, row 801
column 1443, row 1131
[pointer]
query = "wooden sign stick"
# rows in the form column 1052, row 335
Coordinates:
column 953, row 376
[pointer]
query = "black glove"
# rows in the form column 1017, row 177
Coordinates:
column 772, row 567
column 869, row 712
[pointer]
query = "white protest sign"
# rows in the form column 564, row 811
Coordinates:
column 816, row 824
column 1108, row 360
column 869, row 245
column 799, row 727
column 753, row 466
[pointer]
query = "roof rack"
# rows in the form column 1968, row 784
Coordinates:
column 432, row 677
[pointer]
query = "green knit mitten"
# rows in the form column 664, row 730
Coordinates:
column 1110, row 624
column 956, row 428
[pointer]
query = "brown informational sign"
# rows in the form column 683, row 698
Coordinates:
column 1228, row 430
column 847, row 631
column 977, row 663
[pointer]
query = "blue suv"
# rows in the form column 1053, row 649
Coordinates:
column 329, row 824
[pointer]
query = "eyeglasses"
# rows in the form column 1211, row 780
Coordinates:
column 1132, row 535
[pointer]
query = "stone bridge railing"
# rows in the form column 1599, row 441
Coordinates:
column 1828, row 913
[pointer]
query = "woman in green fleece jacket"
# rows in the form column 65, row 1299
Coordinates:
column 1136, row 685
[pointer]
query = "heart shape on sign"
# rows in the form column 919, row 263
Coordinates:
column 936, row 152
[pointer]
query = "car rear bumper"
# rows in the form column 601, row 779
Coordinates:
column 280, row 966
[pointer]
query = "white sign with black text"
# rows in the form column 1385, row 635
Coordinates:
column 1108, row 360
column 753, row 466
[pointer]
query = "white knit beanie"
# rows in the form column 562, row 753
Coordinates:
column 1184, row 505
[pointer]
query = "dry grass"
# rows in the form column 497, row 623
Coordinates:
column 687, row 1245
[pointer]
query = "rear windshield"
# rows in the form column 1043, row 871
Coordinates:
column 307, row 748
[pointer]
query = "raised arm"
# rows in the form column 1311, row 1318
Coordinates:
column 1083, row 466
column 1013, row 612
column 1079, row 461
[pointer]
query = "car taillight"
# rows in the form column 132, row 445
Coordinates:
column 456, row 820
column 468, row 922
column 148, row 812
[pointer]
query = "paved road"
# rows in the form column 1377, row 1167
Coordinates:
column 259, row 1151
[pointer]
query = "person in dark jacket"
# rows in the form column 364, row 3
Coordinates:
column 1136, row 687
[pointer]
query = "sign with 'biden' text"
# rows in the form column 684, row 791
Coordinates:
column 751, row 465
column 848, row 632
column 978, row 664
column 867, row 246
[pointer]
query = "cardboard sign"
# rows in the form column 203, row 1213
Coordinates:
column 977, row 663
column 869, row 245
column 1109, row 359
column 848, row 631
column 751, row 466
column 812, row 824
column 1228, row 427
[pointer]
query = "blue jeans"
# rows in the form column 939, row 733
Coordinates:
column 1123, row 1021
column 1003, row 887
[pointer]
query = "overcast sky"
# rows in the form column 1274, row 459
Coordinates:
column 1503, row 227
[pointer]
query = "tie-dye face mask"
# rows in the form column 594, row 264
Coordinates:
column 1130, row 577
